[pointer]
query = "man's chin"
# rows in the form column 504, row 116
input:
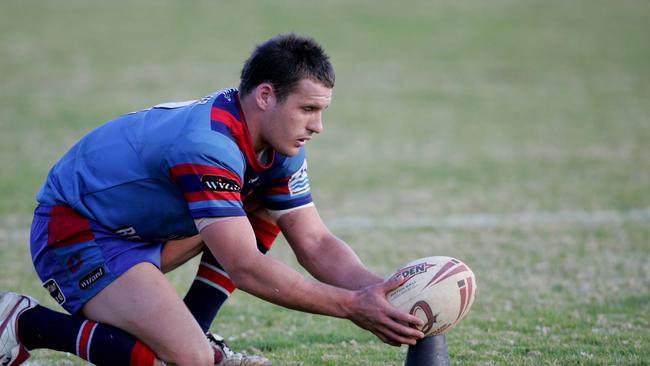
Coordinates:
column 287, row 150
column 291, row 152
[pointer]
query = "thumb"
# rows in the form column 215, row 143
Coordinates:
column 393, row 283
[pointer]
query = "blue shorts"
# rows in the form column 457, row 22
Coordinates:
column 76, row 257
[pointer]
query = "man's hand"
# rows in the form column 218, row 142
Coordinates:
column 372, row 311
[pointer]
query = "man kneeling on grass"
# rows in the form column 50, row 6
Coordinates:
column 225, row 173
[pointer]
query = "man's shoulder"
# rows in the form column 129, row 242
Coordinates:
column 289, row 162
column 285, row 166
column 206, row 148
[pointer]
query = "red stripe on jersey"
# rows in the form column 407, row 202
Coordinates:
column 198, row 169
column 266, row 232
column 212, row 195
column 278, row 190
column 236, row 128
column 141, row 355
column 216, row 278
column 84, row 338
column 67, row 227
column 223, row 116
column 239, row 131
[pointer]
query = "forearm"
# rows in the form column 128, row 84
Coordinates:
column 320, row 252
column 278, row 283
column 337, row 264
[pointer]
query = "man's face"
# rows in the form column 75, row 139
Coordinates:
column 292, row 123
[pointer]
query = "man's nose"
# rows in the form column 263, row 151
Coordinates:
column 316, row 124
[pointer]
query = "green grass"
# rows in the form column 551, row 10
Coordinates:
column 441, row 109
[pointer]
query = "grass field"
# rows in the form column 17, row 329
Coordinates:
column 514, row 135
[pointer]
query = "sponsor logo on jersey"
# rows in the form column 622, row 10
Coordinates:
column 92, row 277
column 227, row 94
column 55, row 291
column 299, row 181
column 220, row 184
column 128, row 233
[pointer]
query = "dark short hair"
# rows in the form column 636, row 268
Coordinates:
column 283, row 61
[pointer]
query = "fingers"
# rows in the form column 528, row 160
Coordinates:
column 392, row 283
column 397, row 331
column 404, row 330
column 400, row 326
column 404, row 317
column 388, row 323
column 395, row 338
column 384, row 339
column 391, row 332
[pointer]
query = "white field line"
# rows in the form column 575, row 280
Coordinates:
column 489, row 220
column 465, row 221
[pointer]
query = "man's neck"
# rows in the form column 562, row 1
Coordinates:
column 252, row 116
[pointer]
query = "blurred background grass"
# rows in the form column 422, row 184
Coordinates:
column 441, row 108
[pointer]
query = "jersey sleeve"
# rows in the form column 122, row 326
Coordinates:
column 209, row 175
column 291, row 190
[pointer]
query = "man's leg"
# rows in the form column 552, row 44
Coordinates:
column 139, row 303
column 81, row 263
column 209, row 290
column 143, row 303
column 32, row 326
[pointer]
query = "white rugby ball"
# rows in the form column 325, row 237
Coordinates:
column 438, row 290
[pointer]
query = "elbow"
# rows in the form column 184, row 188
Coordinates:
column 243, row 274
column 310, row 249
column 307, row 260
column 239, row 277
column 312, row 253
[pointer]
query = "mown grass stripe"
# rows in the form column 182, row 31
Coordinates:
column 483, row 220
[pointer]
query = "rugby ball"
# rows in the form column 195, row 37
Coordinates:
column 438, row 290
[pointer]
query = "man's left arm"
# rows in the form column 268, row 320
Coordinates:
column 326, row 257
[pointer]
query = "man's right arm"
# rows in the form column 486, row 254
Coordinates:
column 232, row 242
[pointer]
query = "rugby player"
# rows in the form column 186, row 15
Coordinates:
column 220, row 176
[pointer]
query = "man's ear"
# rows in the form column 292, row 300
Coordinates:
column 264, row 96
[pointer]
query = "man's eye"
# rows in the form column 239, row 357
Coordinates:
column 308, row 109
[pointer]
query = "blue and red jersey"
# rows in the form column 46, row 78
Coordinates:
column 150, row 174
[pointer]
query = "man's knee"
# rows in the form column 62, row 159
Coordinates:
column 199, row 355
column 143, row 303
